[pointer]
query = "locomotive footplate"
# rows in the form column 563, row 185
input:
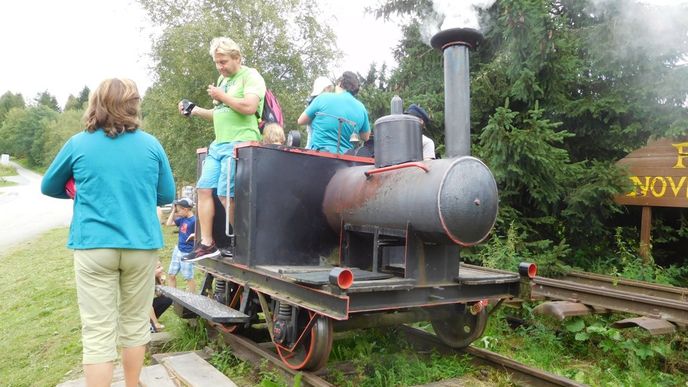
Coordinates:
column 365, row 296
column 321, row 277
column 203, row 306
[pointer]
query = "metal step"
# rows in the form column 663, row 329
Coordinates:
column 205, row 307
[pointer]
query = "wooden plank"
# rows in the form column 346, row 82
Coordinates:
column 196, row 372
column 156, row 376
column 159, row 357
column 151, row 376
column 645, row 233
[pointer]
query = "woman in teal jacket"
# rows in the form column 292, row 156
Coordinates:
column 121, row 174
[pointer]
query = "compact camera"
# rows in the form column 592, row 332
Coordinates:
column 187, row 107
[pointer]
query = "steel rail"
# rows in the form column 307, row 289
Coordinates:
column 528, row 375
column 626, row 285
column 252, row 352
column 612, row 299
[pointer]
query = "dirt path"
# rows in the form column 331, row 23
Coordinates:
column 26, row 212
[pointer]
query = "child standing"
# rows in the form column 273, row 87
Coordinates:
column 183, row 217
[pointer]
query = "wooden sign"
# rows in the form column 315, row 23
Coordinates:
column 659, row 174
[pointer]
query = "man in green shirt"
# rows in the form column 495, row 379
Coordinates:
column 239, row 94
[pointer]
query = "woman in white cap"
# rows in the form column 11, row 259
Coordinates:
column 321, row 85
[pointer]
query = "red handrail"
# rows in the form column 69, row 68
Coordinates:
column 416, row 164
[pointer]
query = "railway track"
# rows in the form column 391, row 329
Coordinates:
column 519, row 372
column 646, row 299
column 606, row 293
column 253, row 352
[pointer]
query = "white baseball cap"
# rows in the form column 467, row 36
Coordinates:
column 320, row 84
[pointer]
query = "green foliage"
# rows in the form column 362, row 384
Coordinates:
column 48, row 100
column 78, row 103
column 624, row 261
column 7, row 170
column 525, row 160
column 8, row 101
column 40, row 315
column 384, row 360
column 588, row 350
column 269, row 377
column 507, row 251
column 59, row 131
column 623, row 348
column 559, row 92
column 230, row 365
column 23, row 134
column 283, row 40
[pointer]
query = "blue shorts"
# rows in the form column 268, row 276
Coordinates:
column 176, row 265
column 217, row 165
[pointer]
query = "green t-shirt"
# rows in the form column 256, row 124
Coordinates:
column 230, row 125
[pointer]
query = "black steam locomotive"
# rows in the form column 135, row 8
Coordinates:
column 326, row 241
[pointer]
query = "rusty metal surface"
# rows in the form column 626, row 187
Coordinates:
column 522, row 373
column 398, row 140
column 456, row 199
column 613, row 299
column 653, row 325
column 647, row 288
column 476, row 275
column 562, row 309
column 253, row 353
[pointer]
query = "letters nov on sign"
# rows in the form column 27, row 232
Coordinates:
column 658, row 173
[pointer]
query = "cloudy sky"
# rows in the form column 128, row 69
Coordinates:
column 62, row 46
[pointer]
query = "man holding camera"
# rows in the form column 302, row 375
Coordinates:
column 238, row 95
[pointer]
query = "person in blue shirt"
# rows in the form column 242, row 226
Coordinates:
column 121, row 174
column 183, row 217
column 334, row 117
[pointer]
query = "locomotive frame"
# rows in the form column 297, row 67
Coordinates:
column 326, row 241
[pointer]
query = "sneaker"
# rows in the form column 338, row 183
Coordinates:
column 200, row 252
column 228, row 252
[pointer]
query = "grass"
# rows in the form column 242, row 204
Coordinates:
column 40, row 328
column 589, row 351
column 381, row 359
column 40, row 332
column 7, row 170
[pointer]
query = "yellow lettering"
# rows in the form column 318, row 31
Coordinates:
column 682, row 150
column 639, row 184
column 675, row 189
column 664, row 186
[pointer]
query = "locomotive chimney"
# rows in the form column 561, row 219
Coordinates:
column 455, row 43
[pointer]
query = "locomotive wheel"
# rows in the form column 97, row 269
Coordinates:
column 233, row 301
column 313, row 347
column 461, row 329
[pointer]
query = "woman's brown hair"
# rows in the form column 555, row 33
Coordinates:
column 114, row 107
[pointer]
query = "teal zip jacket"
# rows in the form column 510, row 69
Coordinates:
column 119, row 184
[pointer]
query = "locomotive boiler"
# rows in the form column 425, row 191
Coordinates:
column 328, row 242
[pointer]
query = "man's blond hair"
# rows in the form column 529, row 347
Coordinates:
column 224, row 46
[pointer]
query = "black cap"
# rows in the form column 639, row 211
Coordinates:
column 419, row 112
column 184, row 202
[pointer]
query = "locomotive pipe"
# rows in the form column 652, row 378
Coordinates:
column 341, row 277
column 455, row 44
column 455, row 199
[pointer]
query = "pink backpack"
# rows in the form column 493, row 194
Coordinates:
column 272, row 111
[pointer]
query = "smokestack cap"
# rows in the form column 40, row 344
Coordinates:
column 469, row 37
